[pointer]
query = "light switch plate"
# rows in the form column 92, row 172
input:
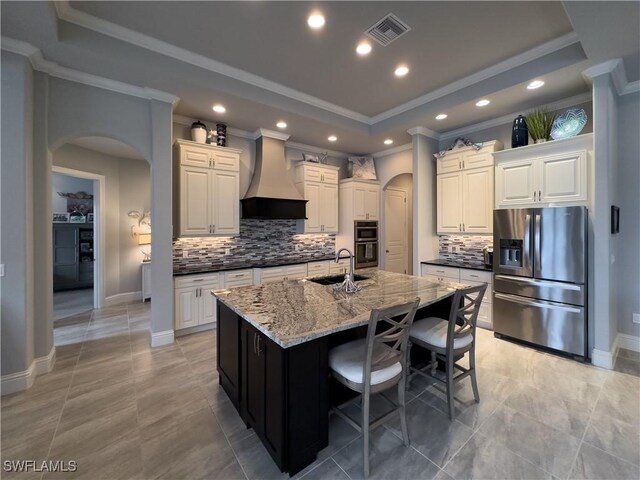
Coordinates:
column 227, row 251
column 185, row 253
column 636, row 318
column 1, row 269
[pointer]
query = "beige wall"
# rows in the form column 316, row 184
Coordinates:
column 127, row 187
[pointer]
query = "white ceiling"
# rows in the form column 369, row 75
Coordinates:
column 261, row 61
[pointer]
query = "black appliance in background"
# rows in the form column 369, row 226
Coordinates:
column 366, row 244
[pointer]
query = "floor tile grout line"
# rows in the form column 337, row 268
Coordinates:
column 612, row 454
column 340, row 467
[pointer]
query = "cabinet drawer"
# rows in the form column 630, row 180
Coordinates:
column 450, row 273
column 475, row 276
column 238, row 278
column 293, row 272
column 212, row 279
column 330, row 176
column 226, row 161
column 341, row 267
column 475, row 159
column 317, row 269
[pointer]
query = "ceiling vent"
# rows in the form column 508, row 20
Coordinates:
column 387, row 30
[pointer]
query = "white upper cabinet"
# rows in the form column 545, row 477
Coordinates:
column 547, row 174
column 465, row 190
column 208, row 189
column 363, row 198
column 318, row 184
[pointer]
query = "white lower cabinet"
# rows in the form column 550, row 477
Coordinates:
column 318, row 269
column 341, row 267
column 193, row 303
column 467, row 277
column 278, row 274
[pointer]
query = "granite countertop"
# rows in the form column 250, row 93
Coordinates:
column 295, row 311
column 449, row 262
column 209, row 267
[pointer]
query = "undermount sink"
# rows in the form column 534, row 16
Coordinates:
column 334, row 279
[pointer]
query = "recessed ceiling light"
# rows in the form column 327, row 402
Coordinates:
column 332, row 138
column 483, row 103
column 388, row 141
column 363, row 48
column 316, row 21
column 535, row 84
column 441, row 116
column 401, row 70
column 219, row 108
column 281, row 125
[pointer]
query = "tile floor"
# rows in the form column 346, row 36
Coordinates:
column 123, row 410
column 69, row 303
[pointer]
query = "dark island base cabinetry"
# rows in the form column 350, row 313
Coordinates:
column 281, row 393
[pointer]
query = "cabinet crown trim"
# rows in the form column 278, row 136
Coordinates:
column 579, row 142
column 214, row 148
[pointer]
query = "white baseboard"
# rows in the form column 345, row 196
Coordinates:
column 602, row 359
column 121, row 298
column 159, row 339
column 18, row 381
column 45, row 364
column 196, row 329
column 630, row 342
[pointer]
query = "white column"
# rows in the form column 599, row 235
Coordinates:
column 162, row 226
column 424, row 196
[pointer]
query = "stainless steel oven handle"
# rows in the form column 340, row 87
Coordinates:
column 533, row 303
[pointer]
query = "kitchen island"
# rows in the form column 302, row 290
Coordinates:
column 273, row 342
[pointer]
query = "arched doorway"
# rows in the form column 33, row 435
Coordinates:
column 397, row 247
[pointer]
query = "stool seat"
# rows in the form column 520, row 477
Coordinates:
column 433, row 331
column 348, row 360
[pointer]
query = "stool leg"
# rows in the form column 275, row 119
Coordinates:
column 365, row 431
column 450, row 386
column 403, row 409
column 472, row 367
column 434, row 363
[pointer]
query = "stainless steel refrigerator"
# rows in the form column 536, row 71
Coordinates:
column 540, row 277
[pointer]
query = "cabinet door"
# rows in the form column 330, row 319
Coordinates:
column 226, row 161
column 225, row 203
column 195, row 157
column 187, row 307
column 359, row 202
column 449, row 207
column 312, row 192
column 515, row 183
column 563, row 178
column 451, row 162
column 329, row 176
column 195, row 205
column 228, row 353
column 372, row 203
column 329, row 208
column 253, row 385
column 477, row 200
column 208, row 304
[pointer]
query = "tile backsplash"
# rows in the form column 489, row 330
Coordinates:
column 469, row 247
column 259, row 240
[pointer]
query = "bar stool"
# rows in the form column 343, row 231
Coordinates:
column 375, row 364
column 449, row 339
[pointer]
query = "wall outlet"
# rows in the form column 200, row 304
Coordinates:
column 450, row 249
column 185, row 253
column 636, row 318
column 227, row 251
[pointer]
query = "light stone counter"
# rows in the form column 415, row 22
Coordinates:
column 296, row 311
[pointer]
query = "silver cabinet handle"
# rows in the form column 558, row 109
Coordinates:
column 213, row 229
column 259, row 351
column 254, row 342
column 213, row 163
column 199, row 280
column 463, row 227
column 539, row 195
column 473, row 276
column 534, row 195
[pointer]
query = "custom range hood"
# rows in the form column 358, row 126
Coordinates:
column 272, row 194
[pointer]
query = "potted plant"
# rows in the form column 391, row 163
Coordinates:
column 539, row 123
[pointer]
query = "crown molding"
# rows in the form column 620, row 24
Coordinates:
column 495, row 122
column 263, row 132
column 393, row 150
column 424, row 131
column 39, row 63
column 618, row 73
column 504, row 66
column 69, row 14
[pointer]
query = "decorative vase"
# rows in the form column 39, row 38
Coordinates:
column 199, row 132
column 221, row 139
column 520, row 132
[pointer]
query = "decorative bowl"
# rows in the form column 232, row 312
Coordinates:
column 569, row 124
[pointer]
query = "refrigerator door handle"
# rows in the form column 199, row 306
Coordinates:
column 533, row 303
column 531, row 281
column 536, row 244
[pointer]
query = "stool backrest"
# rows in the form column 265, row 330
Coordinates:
column 464, row 312
column 390, row 334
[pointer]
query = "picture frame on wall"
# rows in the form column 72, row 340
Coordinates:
column 90, row 218
column 60, row 217
column 77, row 217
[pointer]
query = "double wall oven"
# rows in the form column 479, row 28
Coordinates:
column 366, row 244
